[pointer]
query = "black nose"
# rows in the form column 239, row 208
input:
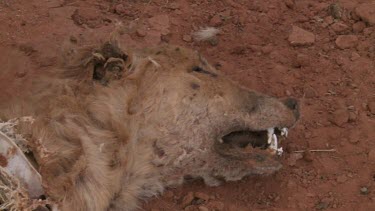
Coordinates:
column 292, row 104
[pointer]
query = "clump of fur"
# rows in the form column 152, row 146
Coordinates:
column 206, row 34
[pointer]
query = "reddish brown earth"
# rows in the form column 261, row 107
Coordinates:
column 319, row 52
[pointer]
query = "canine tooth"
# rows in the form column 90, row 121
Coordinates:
column 284, row 132
column 274, row 138
column 270, row 132
column 221, row 140
column 279, row 151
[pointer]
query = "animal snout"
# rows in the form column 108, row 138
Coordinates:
column 292, row 104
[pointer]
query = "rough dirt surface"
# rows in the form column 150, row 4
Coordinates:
column 321, row 52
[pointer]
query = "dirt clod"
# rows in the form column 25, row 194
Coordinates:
column 187, row 199
column 366, row 12
column 339, row 27
column 358, row 27
column 346, row 41
column 301, row 37
column 202, row 195
column 340, row 117
column 371, row 155
column 187, row 38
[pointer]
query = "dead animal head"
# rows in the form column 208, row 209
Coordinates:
column 156, row 116
column 201, row 124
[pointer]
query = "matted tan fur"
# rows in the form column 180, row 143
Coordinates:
column 117, row 125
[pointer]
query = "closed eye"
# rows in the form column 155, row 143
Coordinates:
column 201, row 70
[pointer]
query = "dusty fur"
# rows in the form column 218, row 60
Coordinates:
column 145, row 120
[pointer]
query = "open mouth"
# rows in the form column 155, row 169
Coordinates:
column 266, row 139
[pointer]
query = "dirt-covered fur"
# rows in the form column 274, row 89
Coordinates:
column 126, row 124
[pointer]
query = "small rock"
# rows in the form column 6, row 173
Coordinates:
column 190, row 208
column 302, row 60
column 141, row 32
column 321, row 206
column 174, row 6
column 328, row 20
column 339, row 27
column 307, row 156
column 310, row 92
column 371, row 155
column 364, row 190
column 187, row 38
column 341, row 179
column 301, row 37
column 216, row 205
column 289, row 4
column 203, row 208
column 340, row 117
column 216, row 21
column 293, row 158
column 366, row 12
column 267, row 49
column 187, row 199
column 346, row 41
column 358, row 27
column 201, row 195
column 352, row 117
column 120, row 9
column 214, row 41
column 73, row 39
column 371, row 107
column 354, row 56
column 21, row 73
column 353, row 140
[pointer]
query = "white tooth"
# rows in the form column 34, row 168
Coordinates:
column 284, row 132
column 274, row 142
column 270, row 132
column 221, row 140
column 279, row 151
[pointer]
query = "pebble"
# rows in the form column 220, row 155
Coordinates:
column 371, row 155
column 289, row 4
column 366, row 12
column 355, row 56
column 364, row 190
column 371, row 107
column 203, row 208
column 216, row 21
column 293, row 158
column 346, row 41
column 341, row 179
column 307, row 156
column 340, row 117
column 216, row 205
column 301, row 37
column 187, row 38
column 201, row 195
column 339, row 27
column 187, row 199
column 309, row 92
column 141, row 32
column 120, row 9
column 302, row 60
column 358, row 27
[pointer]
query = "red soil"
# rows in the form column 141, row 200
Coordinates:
column 331, row 73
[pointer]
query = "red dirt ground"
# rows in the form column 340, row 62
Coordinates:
column 332, row 75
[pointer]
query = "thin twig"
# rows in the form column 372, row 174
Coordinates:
column 316, row 150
